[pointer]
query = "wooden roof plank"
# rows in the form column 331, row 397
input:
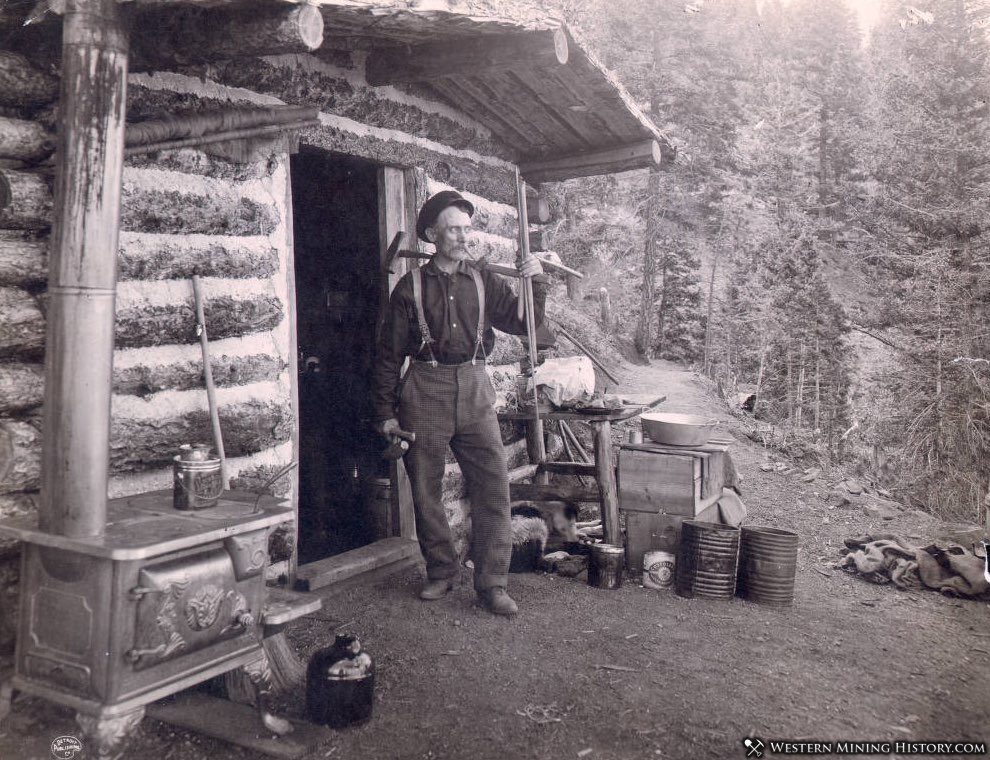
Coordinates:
column 546, row 99
column 518, row 102
column 453, row 91
column 588, row 109
column 581, row 58
column 483, row 91
column 545, row 49
column 584, row 118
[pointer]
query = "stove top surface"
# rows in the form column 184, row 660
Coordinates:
column 147, row 525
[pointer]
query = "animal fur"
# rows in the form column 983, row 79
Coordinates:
column 528, row 527
column 539, row 527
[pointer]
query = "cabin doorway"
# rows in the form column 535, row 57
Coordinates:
column 335, row 202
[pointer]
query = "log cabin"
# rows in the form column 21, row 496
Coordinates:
column 272, row 151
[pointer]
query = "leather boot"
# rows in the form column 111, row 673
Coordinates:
column 497, row 601
column 434, row 590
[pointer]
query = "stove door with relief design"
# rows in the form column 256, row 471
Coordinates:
column 186, row 604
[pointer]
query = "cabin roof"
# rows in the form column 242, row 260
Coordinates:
column 563, row 118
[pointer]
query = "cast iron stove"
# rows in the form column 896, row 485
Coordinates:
column 163, row 600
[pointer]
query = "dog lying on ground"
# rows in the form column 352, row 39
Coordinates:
column 541, row 527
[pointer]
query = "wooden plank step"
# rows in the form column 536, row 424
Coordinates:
column 355, row 562
column 237, row 724
column 535, row 492
column 283, row 605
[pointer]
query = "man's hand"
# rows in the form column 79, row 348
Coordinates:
column 389, row 428
column 398, row 439
column 530, row 266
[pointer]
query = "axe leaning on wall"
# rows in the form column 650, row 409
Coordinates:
column 252, row 684
column 211, row 391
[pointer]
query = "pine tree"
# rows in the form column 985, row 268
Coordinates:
column 929, row 151
column 679, row 327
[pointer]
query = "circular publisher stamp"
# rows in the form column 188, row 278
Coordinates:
column 66, row 747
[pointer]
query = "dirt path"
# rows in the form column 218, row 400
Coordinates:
column 850, row 661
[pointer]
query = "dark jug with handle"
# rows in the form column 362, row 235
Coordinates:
column 340, row 684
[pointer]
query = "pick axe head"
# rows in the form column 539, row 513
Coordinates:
column 393, row 250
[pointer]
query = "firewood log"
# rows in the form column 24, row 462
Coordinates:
column 23, row 259
column 25, row 201
column 22, row 386
column 20, row 465
column 22, row 325
column 23, row 85
column 25, row 140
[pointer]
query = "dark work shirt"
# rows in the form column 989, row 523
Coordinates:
column 450, row 303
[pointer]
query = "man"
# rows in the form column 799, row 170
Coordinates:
column 446, row 398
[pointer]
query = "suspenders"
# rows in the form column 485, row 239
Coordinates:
column 424, row 329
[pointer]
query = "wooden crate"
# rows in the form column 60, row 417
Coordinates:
column 673, row 481
column 653, row 482
column 646, row 532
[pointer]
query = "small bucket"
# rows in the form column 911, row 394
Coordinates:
column 658, row 569
column 606, row 565
column 196, row 484
column 767, row 565
column 707, row 561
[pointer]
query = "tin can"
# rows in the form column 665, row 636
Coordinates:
column 196, row 481
column 605, row 566
column 635, row 436
column 658, row 569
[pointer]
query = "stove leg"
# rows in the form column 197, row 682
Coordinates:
column 259, row 673
column 109, row 733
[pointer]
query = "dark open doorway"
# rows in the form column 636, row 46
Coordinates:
column 336, row 231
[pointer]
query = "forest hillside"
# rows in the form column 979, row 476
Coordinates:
column 818, row 241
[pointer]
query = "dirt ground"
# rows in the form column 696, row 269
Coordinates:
column 636, row 673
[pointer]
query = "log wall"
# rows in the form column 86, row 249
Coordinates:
column 26, row 140
column 186, row 212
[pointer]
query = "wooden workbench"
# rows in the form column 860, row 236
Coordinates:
column 602, row 469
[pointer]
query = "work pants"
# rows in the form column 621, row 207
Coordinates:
column 454, row 405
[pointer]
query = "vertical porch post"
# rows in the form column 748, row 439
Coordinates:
column 83, row 269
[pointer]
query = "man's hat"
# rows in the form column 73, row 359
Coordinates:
column 432, row 208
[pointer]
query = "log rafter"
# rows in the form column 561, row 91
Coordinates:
column 167, row 37
column 638, row 155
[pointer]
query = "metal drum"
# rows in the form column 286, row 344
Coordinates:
column 707, row 561
column 767, row 564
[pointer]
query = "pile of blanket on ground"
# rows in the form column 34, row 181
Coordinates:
column 952, row 569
